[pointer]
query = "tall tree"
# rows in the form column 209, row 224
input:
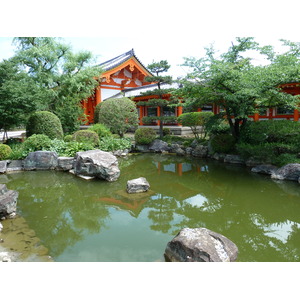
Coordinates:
column 16, row 99
column 239, row 87
column 62, row 77
column 157, row 68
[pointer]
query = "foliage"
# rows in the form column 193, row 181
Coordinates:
column 223, row 143
column 239, row 87
column 268, row 152
column 101, row 130
column 119, row 115
column 15, row 94
column 61, row 78
column 144, row 136
column 112, row 144
column 86, row 137
column 5, row 151
column 44, row 122
column 157, row 68
column 196, row 121
column 96, row 113
column 36, row 142
column 167, row 131
column 68, row 138
column 271, row 131
column 71, row 148
column 217, row 125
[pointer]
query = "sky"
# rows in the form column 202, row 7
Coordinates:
column 160, row 30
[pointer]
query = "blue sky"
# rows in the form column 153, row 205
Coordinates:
column 156, row 30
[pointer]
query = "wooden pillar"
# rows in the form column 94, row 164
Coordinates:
column 141, row 115
column 98, row 95
column 270, row 113
column 179, row 111
column 199, row 109
column 179, row 169
column 158, row 114
column 256, row 117
column 296, row 115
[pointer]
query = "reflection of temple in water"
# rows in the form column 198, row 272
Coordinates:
column 179, row 168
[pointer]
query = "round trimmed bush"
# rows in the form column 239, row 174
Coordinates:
column 5, row 151
column 86, row 137
column 37, row 142
column 101, row 130
column 223, row 143
column 44, row 122
column 144, row 136
column 68, row 138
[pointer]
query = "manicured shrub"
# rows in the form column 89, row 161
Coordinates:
column 112, row 144
column 101, row 130
column 36, row 142
column 119, row 115
column 223, row 143
column 5, row 151
column 271, row 131
column 44, row 122
column 167, row 131
column 144, row 136
column 68, row 138
column 87, row 137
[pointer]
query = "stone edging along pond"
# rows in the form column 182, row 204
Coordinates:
column 47, row 160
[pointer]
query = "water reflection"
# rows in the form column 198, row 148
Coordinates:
column 71, row 215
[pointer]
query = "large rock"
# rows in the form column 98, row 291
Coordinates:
column 14, row 166
column 138, row 185
column 97, row 163
column 288, row 172
column 65, row 163
column 200, row 245
column 40, row 160
column 8, row 201
column 234, row 159
column 264, row 169
column 3, row 166
column 200, row 151
column 159, row 146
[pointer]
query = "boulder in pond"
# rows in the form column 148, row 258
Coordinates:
column 200, row 245
column 159, row 146
column 138, row 185
column 288, row 172
column 40, row 160
column 97, row 163
column 264, row 169
column 8, row 201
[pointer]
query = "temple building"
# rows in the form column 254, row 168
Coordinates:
column 125, row 75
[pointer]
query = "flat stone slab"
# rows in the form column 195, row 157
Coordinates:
column 200, row 245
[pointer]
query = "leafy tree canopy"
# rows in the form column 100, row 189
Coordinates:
column 62, row 78
column 233, row 82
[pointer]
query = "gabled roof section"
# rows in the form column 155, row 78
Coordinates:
column 119, row 60
column 124, row 71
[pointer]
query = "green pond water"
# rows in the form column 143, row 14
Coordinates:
column 78, row 220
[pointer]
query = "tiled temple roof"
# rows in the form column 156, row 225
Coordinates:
column 118, row 60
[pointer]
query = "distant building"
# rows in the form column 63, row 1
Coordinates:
column 125, row 75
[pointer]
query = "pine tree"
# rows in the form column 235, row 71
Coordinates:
column 157, row 68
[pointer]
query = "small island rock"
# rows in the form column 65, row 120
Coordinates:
column 138, row 185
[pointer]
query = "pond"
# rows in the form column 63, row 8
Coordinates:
column 78, row 220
